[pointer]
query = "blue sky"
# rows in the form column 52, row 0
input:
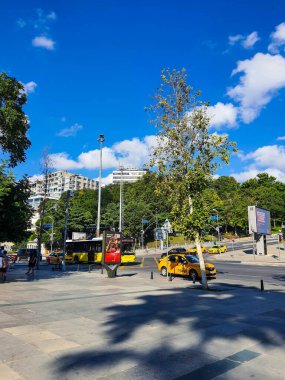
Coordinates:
column 91, row 67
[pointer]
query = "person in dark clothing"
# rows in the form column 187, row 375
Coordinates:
column 32, row 262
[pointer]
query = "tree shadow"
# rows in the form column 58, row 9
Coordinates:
column 143, row 331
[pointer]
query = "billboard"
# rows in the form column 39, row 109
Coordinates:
column 259, row 220
column 112, row 248
column 78, row 236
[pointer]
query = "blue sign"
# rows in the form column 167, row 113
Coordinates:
column 214, row 217
column 47, row 226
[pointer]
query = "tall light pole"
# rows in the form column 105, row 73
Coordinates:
column 68, row 195
column 218, row 224
column 101, row 139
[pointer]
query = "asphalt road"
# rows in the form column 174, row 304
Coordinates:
column 242, row 274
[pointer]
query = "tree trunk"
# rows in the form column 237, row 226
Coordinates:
column 201, row 260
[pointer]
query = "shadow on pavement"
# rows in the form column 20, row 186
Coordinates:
column 224, row 318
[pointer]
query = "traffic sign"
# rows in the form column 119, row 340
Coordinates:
column 160, row 234
column 167, row 226
column 47, row 226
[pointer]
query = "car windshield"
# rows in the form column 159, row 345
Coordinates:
column 192, row 259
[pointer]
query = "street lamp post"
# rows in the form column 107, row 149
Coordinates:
column 101, row 139
column 218, row 228
column 51, row 238
column 68, row 194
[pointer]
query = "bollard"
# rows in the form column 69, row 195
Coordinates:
column 89, row 269
column 102, row 269
column 170, row 277
column 151, row 275
column 261, row 286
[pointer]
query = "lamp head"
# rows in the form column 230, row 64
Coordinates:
column 101, row 138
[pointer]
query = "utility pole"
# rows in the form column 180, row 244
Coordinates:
column 68, row 194
column 121, row 227
column 101, row 139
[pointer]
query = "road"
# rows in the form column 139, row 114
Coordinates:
column 243, row 274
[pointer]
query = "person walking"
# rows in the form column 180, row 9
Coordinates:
column 4, row 262
column 32, row 262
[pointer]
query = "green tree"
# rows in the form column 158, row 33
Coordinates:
column 186, row 155
column 15, row 212
column 13, row 121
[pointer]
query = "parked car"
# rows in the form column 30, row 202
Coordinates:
column 194, row 249
column 185, row 265
column 174, row 250
column 54, row 258
column 218, row 249
column 24, row 253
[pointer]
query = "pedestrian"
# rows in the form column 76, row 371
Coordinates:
column 32, row 261
column 4, row 262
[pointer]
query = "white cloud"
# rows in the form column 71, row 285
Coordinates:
column 246, row 42
column 107, row 180
column 250, row 40
column 51, row 15
column 277, row 39
column 30, row 87
column 72, row 131
column 222, row 115
column 36, row 177
column 263, row 75
column 43, row 42
column 252, row 173
column 234, row 39
column 21, row 23
column 281, row 138
column 269, row 159
column 130, row 153
column 61, row 161
column 268, row 156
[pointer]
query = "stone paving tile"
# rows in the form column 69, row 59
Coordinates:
column 8, row 374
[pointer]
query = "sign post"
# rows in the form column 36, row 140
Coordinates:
column 167, row 228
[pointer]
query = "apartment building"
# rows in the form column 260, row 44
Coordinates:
column 128, row 174
column 61, row 181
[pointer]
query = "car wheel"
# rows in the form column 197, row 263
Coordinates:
column 76, row 260
column 163, row 271
column 193, row 275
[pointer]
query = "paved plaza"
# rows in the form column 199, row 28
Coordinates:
column 83, row 325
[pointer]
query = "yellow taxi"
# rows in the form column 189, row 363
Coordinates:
column 185, row 265
column 218, row 249
column 54, row 258
column 194, row 249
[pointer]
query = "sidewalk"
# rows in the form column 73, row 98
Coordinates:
column 80, row 325
column 273, row 257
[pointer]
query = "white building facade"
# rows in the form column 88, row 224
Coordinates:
column 61, row 181
column 128, row 175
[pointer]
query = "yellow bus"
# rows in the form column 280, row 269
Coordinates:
column 128, row 251
column 84, row 251
column 90, row 251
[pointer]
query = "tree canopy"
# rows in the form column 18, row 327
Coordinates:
column 13, row 121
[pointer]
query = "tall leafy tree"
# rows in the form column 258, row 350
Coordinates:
column 186, row 155
column 15, row 212
column 13, row 121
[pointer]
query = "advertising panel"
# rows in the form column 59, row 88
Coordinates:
column 112, row 248
column 78, row 236
column 259, row 220
column 263, row 223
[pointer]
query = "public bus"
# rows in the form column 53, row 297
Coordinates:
column 90, row 251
